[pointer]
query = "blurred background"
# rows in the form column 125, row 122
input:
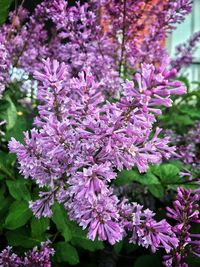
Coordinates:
column 183, row 33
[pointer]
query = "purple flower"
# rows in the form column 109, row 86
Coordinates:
column 39, row 257
column 184, row 212
column 185, row 51
column 83, row 140
column 100, row 215
column 4, row 67
column 9, row 259
column 42, row 207
column 146, row 231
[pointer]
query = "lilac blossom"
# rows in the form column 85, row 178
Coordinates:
column 39, row 257
column 79, row 37
column 42, row 206
column 4, row 68
column 187, row 149
column 82, row 140
column 184, row 52
column 184, row 212
column 128, row 22
column 9, row 259
column 146, row 231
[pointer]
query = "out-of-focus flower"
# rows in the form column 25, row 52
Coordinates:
column 185, row 211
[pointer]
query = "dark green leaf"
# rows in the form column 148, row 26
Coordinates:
column 19, row 214
column 9, row 114
column 79, row 238
column 4, row 9
column 22, row 124
column 39, row 226
column 6, row 163
column 66, row 253
column 156, row 190
column 128, row 176
column 59, row 218
column 125, row 177
column 18, row 190
column 21, row 237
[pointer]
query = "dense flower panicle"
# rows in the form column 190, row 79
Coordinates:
column 184, row 52
column 100, row 215
column 28, row 40
column 92, row 181
column 4, row 68
column 130, row 20
column 9, row 259
column 102, row 35
column 82, row 137
column 145, row 230
column 81, row 142
column 155, row 88
column 185, row 211
column 38, row 257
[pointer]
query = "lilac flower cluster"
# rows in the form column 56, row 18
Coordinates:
column 185, row 51
column 141, row 27
column 145, row 230
column 185, row 211
column 82, row 141
column 4, row 66
column 76, row 39
column 187, row 148
column 38, row 257
column 106, row 36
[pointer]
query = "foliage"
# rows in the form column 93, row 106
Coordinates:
column 154, row 186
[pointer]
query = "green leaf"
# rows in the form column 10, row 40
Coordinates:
column 125, row 177
column 18, row 190
column 168, row 173
column 5, row 203
column 80, row 239
column 59, row 218
column 4, row 9
column 10, row 114
column 39, row 226
column 22, row 125
column 19, row 214
column 183, row 120
column 148, row 178
column 191, row 111
column 66, row 253
column 128, row 176
column 6, row 163
column 87, row 244
column 21, row 237
column 156, row 190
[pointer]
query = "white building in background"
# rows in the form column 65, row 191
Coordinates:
column 181, row 34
